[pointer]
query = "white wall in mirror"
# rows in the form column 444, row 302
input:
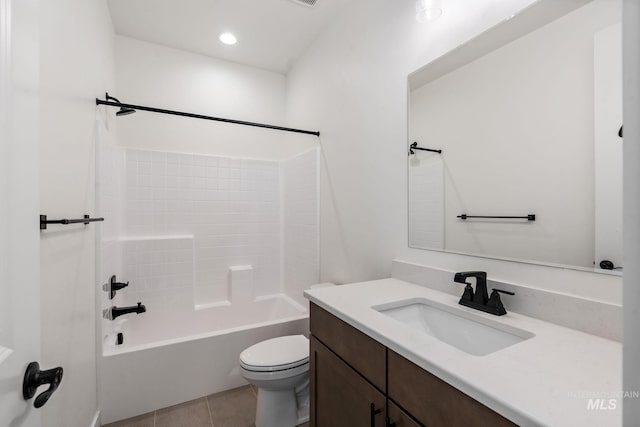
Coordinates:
column 607, row 146
column 518, row 127
column 426, row 201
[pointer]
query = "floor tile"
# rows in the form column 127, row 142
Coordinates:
column 145, row 420
column 233, row 408
column 190, row 414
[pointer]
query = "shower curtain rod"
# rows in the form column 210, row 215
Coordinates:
column 200, row 116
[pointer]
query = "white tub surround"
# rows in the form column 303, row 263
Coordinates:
column 545, row 380
column 241, row 284
column 235, row 212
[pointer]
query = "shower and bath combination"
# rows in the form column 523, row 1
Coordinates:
column 204, row 264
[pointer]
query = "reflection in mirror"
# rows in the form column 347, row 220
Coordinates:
column 527, row 117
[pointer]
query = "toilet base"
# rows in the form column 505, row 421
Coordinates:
column 278, row 408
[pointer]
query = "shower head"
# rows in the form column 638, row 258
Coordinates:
column 124, row 111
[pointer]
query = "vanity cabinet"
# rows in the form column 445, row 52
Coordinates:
column 434, row 402
column 399, row 418
column 356, row 381
column 361, row 352
column 342, row 397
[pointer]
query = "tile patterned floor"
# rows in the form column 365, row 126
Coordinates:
column 231, row 408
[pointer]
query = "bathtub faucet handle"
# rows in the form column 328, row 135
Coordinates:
column 113, row 286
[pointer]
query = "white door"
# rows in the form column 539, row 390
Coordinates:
column 19, row 201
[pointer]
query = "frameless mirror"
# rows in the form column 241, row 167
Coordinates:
column 526, row 118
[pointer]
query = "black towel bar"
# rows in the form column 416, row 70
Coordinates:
column 414, row 146
column 85, row 220
column 530, row 217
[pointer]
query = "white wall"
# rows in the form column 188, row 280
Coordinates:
column 352, row 86
column 300, row 223
column 516, row 130
column 631, row 83
column 76, row 66
column 157, row 76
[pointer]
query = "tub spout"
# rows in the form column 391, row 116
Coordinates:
column 115, row 312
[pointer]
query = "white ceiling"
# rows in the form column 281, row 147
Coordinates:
column 271, row 34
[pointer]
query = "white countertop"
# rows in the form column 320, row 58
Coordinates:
column 546, row 380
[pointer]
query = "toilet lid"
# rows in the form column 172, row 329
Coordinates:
column 276, row 354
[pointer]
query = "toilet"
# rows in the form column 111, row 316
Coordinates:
column 279, row 368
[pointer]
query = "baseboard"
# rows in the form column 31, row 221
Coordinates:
column 96, row 420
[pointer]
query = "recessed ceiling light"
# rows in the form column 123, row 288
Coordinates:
column 428, row 10
column 228, row 38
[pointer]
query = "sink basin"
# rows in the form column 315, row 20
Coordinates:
column 463, row 330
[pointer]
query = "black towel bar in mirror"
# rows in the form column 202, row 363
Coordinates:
column 530, row 217
column 414, row 146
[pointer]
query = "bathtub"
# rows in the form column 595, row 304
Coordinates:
column 174, row 354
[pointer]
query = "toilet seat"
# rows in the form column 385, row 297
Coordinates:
column 267, row 378
column 274, row 368
column 277, row 354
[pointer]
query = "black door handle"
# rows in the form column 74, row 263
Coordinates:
column 34, row 378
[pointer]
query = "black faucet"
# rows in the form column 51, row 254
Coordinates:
column 480, row 300
column 115, row 312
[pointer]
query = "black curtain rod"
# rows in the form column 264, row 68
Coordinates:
column 200, row 116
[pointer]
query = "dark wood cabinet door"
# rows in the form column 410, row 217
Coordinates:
column 340, row 397
column 362, row 353
column 432, row 401
column 399, row 418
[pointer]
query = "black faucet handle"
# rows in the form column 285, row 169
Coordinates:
column 495, row 303
column 480, row 295
column 116, row 286
column 468, row 293
column 113, row 286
